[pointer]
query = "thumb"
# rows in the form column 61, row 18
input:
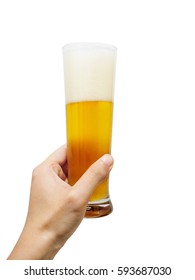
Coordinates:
column 94, row 175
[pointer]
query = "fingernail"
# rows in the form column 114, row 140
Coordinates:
column 107, row 159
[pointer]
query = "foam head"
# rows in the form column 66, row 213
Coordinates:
column 89, row 71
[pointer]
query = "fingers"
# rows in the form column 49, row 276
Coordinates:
column 57, row 161
column 58, row 170
column 58, row 156
column 95, row 174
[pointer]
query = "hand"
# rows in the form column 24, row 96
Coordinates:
column 56, row 209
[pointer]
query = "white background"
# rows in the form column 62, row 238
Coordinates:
column 152, row 183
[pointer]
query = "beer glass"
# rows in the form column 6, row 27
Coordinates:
column 89, row 75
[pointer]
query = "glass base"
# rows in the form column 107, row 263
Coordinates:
column 100, row 208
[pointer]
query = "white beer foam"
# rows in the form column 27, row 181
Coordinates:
column 89, row 72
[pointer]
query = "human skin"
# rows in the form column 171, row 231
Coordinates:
column 55, row 208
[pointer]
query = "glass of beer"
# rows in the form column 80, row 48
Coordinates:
column 89, row 75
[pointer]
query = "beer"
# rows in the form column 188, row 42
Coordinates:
column 89, row 72
column 89, row 130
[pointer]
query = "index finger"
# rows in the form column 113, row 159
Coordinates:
column 59, row 156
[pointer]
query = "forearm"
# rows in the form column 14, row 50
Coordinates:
column 34, row 245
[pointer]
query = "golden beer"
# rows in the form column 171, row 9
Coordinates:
column 89, row 74
column 89, row 130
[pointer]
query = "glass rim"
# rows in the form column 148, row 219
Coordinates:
column 87, row 45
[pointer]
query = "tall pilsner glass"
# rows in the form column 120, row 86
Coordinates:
column 89, row 74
